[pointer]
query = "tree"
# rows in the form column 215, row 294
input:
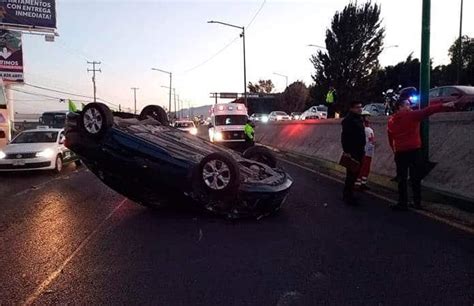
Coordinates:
column 294, row 98
column 263, row 86
column 354, row 43
column 467, row 61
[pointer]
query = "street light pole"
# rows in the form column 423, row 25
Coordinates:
column 243, row 41
column 282, row 75
column 460, row 46
column 135, row 98
column 425, row 70
column 171, row 85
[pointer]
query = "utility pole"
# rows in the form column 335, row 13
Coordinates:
column 460, row 46
column 135, row 98
column 94, row 70
column 425, row 70
column 171, row 86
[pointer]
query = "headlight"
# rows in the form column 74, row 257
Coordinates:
column 193, row 131
column 45, row 153
column 218, row 136
column 2, row 155
column 265, row 119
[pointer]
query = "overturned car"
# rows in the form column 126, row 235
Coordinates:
column 148, row 161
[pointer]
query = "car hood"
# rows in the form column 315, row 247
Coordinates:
column 27, row 147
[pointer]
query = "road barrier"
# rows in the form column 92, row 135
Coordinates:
column 451, row 146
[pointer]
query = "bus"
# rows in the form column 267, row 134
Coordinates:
column 55, row 120
column 5, row 126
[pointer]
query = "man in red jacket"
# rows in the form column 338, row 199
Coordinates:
column 405, row 140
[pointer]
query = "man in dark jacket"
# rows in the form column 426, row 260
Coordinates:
column 353, row 144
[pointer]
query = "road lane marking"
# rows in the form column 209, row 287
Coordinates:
column 420, row 212
column 41, row 289
column 41, row 185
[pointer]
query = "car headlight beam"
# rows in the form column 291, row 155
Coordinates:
column 47, row 153
column 218, row 136
column 193, row 131
column 2, row 155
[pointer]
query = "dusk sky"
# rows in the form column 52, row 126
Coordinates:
column 130, row 37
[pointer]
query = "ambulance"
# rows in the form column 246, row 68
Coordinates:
column 227, row 123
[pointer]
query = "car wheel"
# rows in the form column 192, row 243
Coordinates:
column 96, row 119
column 156, row 112
column 219, row 174
column 58, row 164
column 262, row 155
column 78, row 163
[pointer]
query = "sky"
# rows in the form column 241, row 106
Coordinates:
column 129, row 37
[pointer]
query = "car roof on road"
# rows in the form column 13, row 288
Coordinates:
column 44, row 130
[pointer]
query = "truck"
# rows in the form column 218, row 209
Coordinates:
column 227, row 123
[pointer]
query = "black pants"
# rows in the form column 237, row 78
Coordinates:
column 351, row 178
column 410, row 162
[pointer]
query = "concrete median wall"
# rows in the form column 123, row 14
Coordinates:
column 451, row 146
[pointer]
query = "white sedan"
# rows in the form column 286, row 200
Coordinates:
column 278, row 116
column 186, row 126
column 39, row 149
column 315, row 112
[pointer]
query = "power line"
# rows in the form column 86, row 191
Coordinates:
column 227, row 45
column 256, row 14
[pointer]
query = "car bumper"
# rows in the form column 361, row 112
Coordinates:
column 26, row 164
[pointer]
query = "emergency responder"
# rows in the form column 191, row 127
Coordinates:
column 249, row 133
column 405, row 141
column 330, row 100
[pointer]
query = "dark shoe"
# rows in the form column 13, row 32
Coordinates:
column 399, row 207
column 364, row 188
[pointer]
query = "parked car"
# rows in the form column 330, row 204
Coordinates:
column 315, row 112
column 375, row 109
column 186, row 126
column 153, row 163
column 462, row 95
column 278, row 116
column 38, row 149
column 258, row 117
column 295, row 116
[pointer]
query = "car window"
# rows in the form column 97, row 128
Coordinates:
column 36, row 137
column 231, row 119
column 448, row 91
column 322, row 108
column 184, row 124
column 281, row 113
column 434, row 93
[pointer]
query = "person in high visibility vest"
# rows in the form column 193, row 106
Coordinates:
column 330, row 100
column 249, row 133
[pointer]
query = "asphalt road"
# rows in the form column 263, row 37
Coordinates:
column 71, row 240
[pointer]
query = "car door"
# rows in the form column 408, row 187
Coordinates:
column 434, row 96
column 450, row 94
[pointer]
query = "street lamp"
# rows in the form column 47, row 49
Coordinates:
column 317, row 46
column 171, row 84
column 282, row 75
column 174, row 94
column 243, row 39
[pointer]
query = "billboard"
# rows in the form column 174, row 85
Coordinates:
column 11, row 56
column 28, row 14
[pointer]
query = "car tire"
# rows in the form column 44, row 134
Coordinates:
column 58, row 164
column 219, row 174
column 95, row 120
column 262, row 155
column 78, row 163
column 156, row 112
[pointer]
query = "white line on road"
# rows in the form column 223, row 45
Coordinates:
column 42, row 287
column 420, row 212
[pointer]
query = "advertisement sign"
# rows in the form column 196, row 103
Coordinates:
column 28, row 13
column 11, row 56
